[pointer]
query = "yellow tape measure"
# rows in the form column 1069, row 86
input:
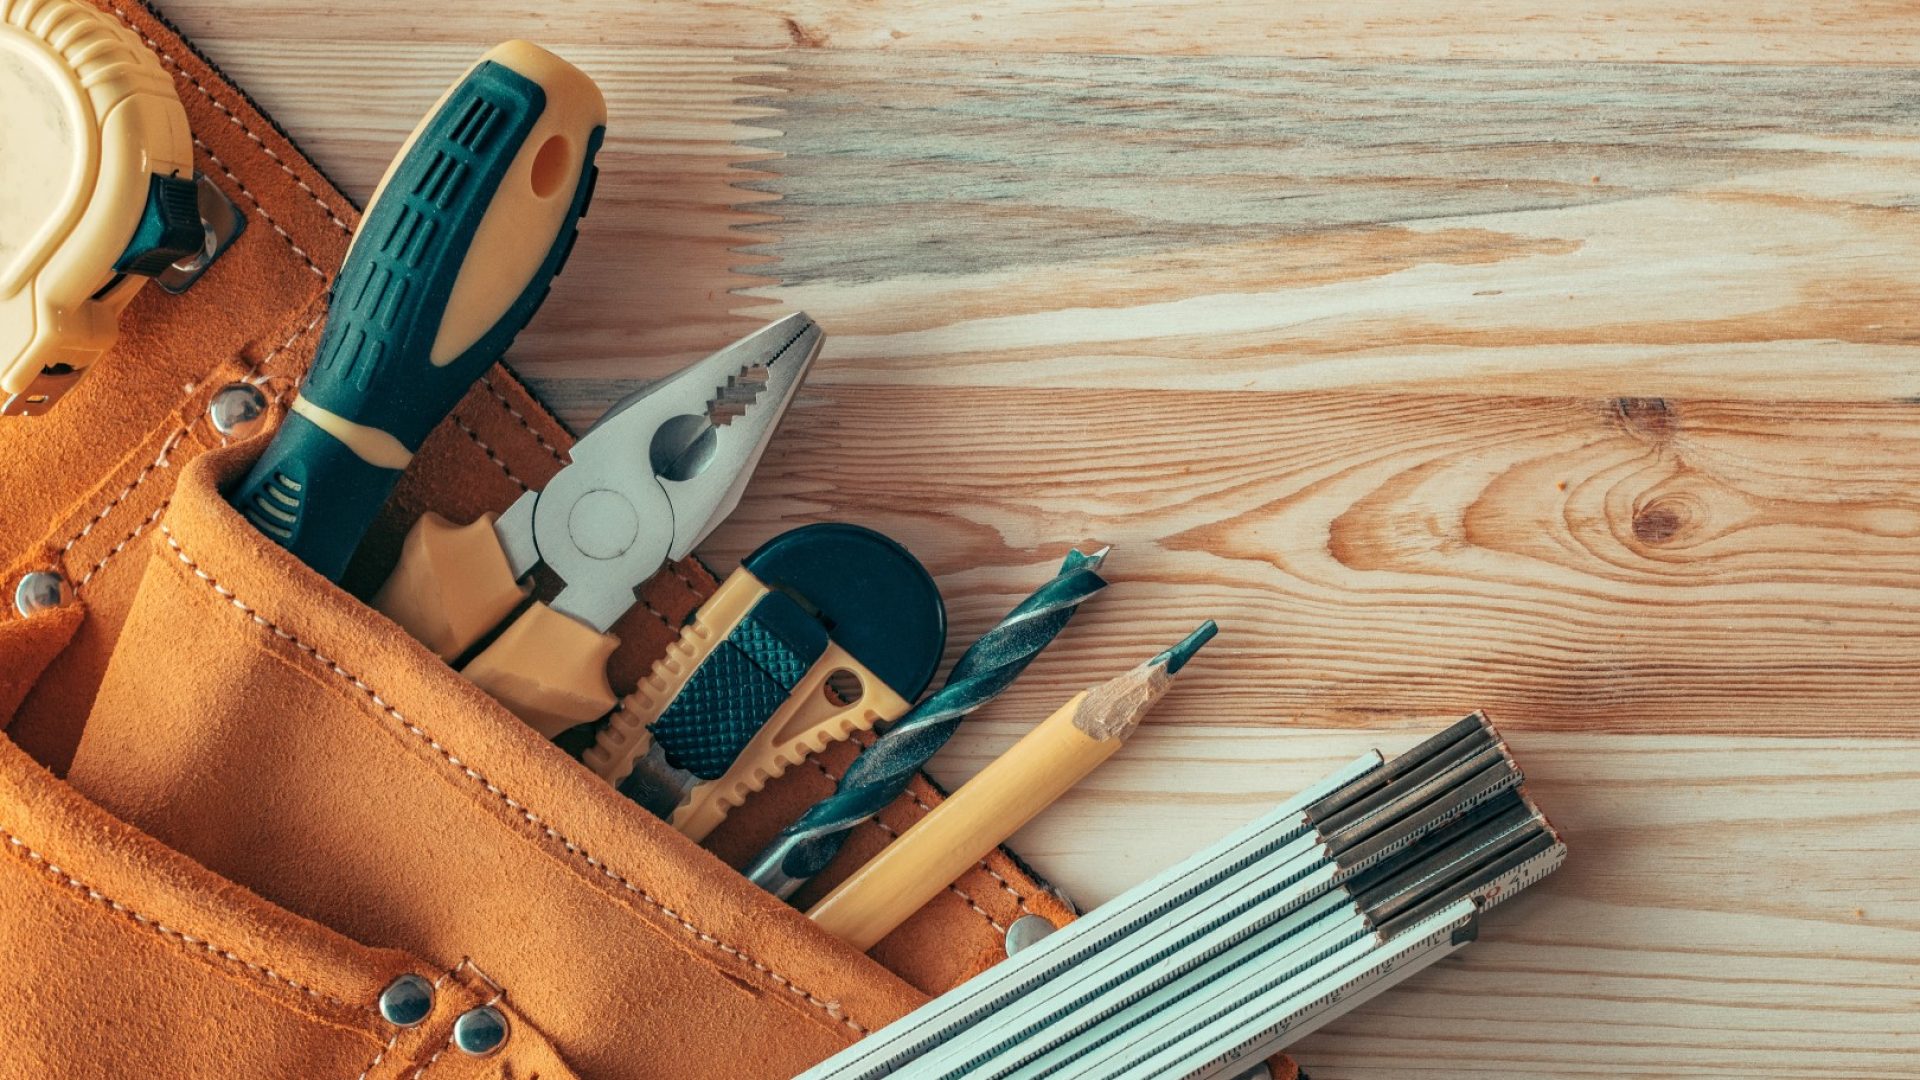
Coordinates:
column 97, row 191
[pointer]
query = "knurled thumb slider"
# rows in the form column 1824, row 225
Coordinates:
column 824, row 631
column 745, row 692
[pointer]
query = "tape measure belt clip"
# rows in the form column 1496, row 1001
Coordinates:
column 97, row 194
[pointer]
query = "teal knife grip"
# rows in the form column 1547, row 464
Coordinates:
column 373, row 364
column 739, row 686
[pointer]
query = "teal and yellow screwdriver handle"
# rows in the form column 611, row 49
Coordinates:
column 454, row 255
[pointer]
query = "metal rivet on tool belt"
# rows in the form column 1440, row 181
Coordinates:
column 237, row 410
column 40, row 590
column 407, row 1000
column 1026, row 931
column 480, row 1031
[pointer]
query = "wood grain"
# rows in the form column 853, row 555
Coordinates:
column 1557, row 359
column 1755, row 31
column 650, row 282
column 1632, row 565
column 1150, row 223
column 1235, row 224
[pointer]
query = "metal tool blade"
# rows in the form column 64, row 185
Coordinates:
column 747, row 388
column 658, row 472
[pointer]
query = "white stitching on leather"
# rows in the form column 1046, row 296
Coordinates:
column 487, row 381
column 124, row 541
column 460, row 423
column 160, row 460
column 237, row 122
column 381, row 1056
column 830, row 1008
column 437, row 1055
column 312, row 266
column 21, row 848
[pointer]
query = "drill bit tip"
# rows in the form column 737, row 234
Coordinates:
column 1176, row 658
column 1083, row 560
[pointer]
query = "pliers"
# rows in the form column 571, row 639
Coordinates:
column 646, row 484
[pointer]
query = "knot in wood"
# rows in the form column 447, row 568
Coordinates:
column 1652, row 419
column 1660, row 521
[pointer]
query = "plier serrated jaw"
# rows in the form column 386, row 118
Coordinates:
column 658, row 472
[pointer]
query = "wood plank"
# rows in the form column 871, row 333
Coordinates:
column 1762, row 31
column 649, row 284
column 1634, row 566
column 1730, row 907
column 1151, row 223
column 1509, row 228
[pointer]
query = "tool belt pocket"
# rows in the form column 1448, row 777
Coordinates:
column 285, row 736
column 274, row 795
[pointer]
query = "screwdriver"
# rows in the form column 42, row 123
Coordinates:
column 456, row 251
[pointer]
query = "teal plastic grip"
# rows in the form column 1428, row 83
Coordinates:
column 739, row 686
column 312, row 493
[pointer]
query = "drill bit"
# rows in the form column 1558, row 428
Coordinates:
column 882, row 771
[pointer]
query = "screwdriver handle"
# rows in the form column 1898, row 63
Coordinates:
column 454, row 255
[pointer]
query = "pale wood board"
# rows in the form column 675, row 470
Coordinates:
column 1559, row 360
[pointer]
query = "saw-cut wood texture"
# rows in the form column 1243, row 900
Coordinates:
column 1250, row 224
column 1561, row 360
column 1632, row 565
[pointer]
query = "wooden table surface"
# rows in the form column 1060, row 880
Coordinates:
column 1556, row 359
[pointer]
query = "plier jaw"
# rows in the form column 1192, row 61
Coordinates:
column 658, row 472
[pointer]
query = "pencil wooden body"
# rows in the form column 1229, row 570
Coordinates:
column 992, row 806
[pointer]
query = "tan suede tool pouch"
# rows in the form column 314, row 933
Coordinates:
column 236, row 803
column 275, row 802
column 268, row 725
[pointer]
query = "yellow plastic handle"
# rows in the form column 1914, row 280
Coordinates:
column 548, row 668
column 809, row 720
column 90, row 118
column 456, row 252
column 625, row 739
column 512, row 240
column 452, row 585
column 805, row 723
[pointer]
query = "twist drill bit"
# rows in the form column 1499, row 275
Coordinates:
column 882, row 770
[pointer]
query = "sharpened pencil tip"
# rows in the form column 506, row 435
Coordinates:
column 1177, row 657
